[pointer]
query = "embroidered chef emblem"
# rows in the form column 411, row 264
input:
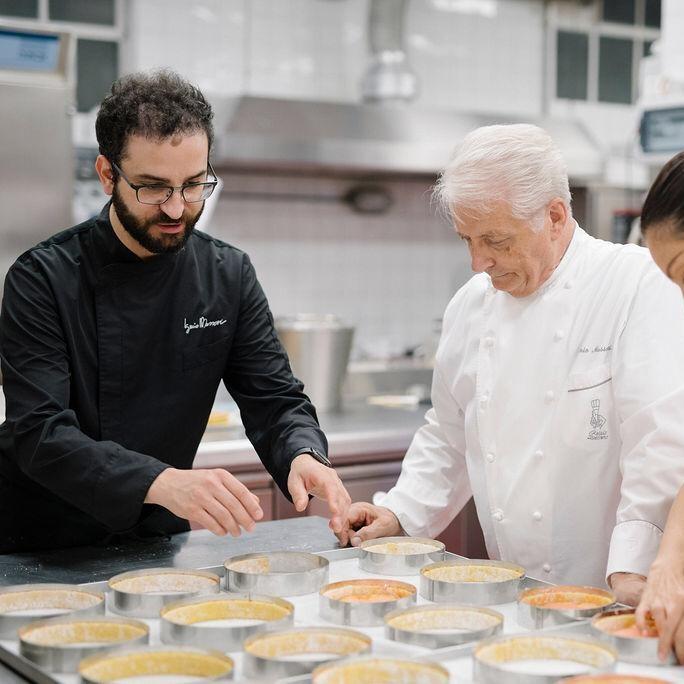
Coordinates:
column 202, row 322
column 597, row 421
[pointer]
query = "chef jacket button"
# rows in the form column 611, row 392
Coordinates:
column 537, row 516
column 549, row 396
column 490, row 457
column 489, row 342
column 539, row 453
column 546, row 567
column 483, row 401
column 498, row 515
column 568, row 285
column 560, row 334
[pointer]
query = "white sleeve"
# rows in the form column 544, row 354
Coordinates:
column 433, row 486
column 648, row 377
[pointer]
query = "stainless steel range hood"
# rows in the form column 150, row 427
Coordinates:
column 297, row 135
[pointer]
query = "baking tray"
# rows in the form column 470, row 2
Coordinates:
column 344, row 564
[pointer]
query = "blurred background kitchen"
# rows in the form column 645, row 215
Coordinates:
column 333, row 118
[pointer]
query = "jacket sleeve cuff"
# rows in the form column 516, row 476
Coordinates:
column 392, row 500
column 633, row 547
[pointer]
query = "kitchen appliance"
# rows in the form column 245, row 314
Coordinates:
column 318, row 347
column 36, row 176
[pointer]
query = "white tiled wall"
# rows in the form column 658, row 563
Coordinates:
column 390, row 275
column 480, row 56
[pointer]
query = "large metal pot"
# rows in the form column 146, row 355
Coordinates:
column 318, row 346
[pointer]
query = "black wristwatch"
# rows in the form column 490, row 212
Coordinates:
column 318, row 455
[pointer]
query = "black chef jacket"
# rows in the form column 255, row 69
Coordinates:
column 111, row 366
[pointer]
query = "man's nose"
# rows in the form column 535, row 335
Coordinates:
column 174, row 206
column 479, row 260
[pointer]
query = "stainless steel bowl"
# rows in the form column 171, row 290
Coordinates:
column 642, row 650
column 442, row 625
column 514, row 659
column 59, row 644
column 181, row 622
column 143, row 593
column 439, row 589
column 25, row 603
column 384, row 556
column 371, row 668
column 281, row 573
column 538, row 607
column 334, row 608
column 272, row 655
column 211, row 666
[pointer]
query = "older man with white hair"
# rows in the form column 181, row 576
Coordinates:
column 555, row 382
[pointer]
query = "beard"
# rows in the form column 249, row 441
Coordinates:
column 139, row 230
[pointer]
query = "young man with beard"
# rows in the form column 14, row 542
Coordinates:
column 114, row 336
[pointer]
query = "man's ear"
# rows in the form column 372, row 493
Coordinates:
column 558, row 213
column 105, row 173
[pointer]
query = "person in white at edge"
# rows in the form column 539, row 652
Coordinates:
column 553, row 382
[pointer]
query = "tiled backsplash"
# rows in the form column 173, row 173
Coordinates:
column 390, row 274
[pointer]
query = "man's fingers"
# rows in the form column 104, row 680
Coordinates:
column 207, row 521
column 641, row 612
column 666, row 630
column 243, row 495
column 236, row 509
column 300, row 497
column 223, row 517
column 338, row 503
column 372, row 531
column 343, row 536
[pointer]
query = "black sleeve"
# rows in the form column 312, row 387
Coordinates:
column 278, row 417
column 103, row 479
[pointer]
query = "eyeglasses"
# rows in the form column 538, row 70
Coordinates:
column 158, row 194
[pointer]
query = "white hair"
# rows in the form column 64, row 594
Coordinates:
column 517, row 164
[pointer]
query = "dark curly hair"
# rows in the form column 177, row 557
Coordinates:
column 157, row 105
column 664, row 204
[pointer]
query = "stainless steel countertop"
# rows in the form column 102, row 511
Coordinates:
column 197, row 549
column 359, row 429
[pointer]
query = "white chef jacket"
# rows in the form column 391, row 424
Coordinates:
column 562, row 413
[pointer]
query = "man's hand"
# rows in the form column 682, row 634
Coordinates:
column 212, row 498
column 308, row 476
column 366, row 521
column 663, row 601
column 627, row 587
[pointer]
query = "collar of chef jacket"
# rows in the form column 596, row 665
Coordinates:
column 115, row 261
